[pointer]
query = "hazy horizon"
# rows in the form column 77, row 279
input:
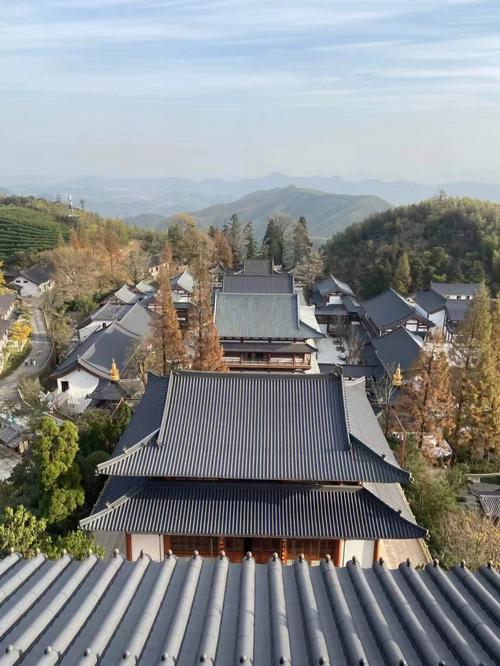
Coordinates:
column 196, row 89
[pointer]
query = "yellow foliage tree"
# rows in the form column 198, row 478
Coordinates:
column 20, row 332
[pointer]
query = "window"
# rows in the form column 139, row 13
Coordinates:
column 64, row 385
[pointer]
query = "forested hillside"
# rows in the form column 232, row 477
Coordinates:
column 443, row 239
column 325, row 213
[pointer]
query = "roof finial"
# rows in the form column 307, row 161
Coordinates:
column 114, row 374
column 397, row 377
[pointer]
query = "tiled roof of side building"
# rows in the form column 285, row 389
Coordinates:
column 284, row 510
column 399, row 347
column 38, row 274
column 275, row 316
column 387, row 308
column 126, row 295
column 195, row 610
column 258, row 284
column 448, row 289
column 430, row 301
column 144, row 287
column 183, row 281
column 331, row 285
column 258, row 267
column 6, row 301
column 456, row 310
column 258, row 427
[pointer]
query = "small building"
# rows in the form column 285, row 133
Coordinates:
column 91, row 360
column 261, row 331
column 125, row 295
column 446, row 304
column 7, row 304
column 102, row 317
column 254, row 462
column 398, row 348
column 14, row 436
column 34, row 281
column 217, row 274
column 182, row 286
column 336, row 305
column 144, row 287
column 388, row 311
column 155, row 263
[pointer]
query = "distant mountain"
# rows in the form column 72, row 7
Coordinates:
column 129, row 197
column 325, row 213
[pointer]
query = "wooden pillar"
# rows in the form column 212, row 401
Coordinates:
column 283, row 551
column 339, row 549
column 167, row 544
column 376, row 550
column 128, row 546
column 221, row 543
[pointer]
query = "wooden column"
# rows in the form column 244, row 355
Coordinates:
column 221, row 543
column 128, row 546
column 167, row 544
column 337, row 555
column 376, row 550
column 283, row 551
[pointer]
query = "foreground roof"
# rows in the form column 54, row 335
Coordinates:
column 190, row 610
column 260, row 427
column 258, row 284
column 284, row 510
column 399, row 347
column 388, row 308
column 277, row 316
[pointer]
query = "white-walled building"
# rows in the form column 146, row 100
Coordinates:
column 34, row 281
column 445, row 304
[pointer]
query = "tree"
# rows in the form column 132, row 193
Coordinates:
column 21, row 531
column 77, row 269
column 58, row 491
column 203, row 339
column 302, row 242
column 384, row 389
column 309, row 270
column 272, row 243
column 3, row 286
column 111, row 243
column 137, row 265
column 250, row 243
column 477, row 416
column 167, row 337
column 354, row 345
column 20, row 332
column 401, row 279
column 223, row 251
column 466, row 535
column 233, row 235
column 425, row 404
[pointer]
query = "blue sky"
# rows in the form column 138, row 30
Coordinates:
column 382, row 88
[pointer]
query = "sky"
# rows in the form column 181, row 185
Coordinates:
column 387, row 89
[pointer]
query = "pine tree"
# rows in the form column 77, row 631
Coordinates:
column 302, row 242
column 272, row 243
column 233, row 235
column 401, row 279
column 425, row 404
column 167, row 339
column 475, row 353
column 223, row 252
column 203, row 338
column 250, row 243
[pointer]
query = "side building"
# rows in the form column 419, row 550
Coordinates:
column 293, row 464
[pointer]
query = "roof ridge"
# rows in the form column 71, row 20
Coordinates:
column 166, row 405
column 379, row 456
column 397, row 513
column 111, row 506
column 127, row 451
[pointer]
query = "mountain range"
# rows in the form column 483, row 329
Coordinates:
column 130, row 197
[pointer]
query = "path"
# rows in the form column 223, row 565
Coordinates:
column 41, row 348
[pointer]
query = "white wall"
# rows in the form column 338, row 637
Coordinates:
column 151, row 544
column 81, row 383
column 28, row 289
column 437, row 318
column 363, row 551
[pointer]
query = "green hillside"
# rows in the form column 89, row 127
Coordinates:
column 444, row 240
column 29, row 226
column 325, row 213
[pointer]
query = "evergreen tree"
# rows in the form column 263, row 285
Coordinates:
column 401, row 279
column 233, row 235
column 475, row 353
column 20, row 531
column 203, row 338
column 223, row 251
column 425, row 404
column 302, row 242
column 272, row 243
column 250, row 243
column 167, row 339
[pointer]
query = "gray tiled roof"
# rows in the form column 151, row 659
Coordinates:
column 269, row 347
column 126, row 295
column 448, row 289
column 38, row 274
column 399, row 347
column 490, row 504
column 183, row 281
column 6, row 301
column 193, row 610
column 258, row 267
column 275, row 316
column 5, row 325
column 144, row 287
column 331, row 285
column 456, row 310
column 430, row 301
column 260, row 427
column 258, row 284
column 154, row 260
column 388, row 308
column 253, row 510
